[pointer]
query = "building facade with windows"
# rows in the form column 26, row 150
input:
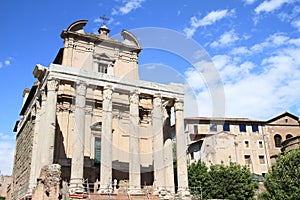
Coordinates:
column 255, row 143
column 89, row 119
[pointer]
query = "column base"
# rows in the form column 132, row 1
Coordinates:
column 135, row 191
column 184, row 194
column 76, row 186
column 108, row 189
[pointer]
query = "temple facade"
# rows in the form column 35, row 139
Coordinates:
column 91, row 118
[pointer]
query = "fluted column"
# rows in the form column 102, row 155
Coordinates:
column 158, row 145
column 134, row 145
column 180, row 147
column 77, row 164
column 50, row 120
column 106, row 142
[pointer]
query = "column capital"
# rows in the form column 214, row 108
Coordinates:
column 81, row 88
column 178, row 105
column 134, row 97
column 52, row 84
column 107, row 92
column 157, row 100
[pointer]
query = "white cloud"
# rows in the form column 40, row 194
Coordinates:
column 249, row 1
column 7, row 145
column 296, row 24
column 209, row 19
column 271, row 5
column 240, row 50
column 257, row 94
column 129, row 5
column 6, row 62
column 226, row 39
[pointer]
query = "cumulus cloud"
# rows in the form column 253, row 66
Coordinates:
column 129, row 5
column 209, row 19
column 271, row 5
column 226, row 39
column 255, row 89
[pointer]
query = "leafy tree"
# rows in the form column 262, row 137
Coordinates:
column 198, row 178
column 222, row 182
column 283, row 180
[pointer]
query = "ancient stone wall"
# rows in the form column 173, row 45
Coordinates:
column 23, row 155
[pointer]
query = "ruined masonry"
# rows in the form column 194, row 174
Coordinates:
column 89, row 128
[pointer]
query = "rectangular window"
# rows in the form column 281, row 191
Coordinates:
column 213, row 127
column 254, row 128
column 242, row 127
column 247, row 159
column 195, row 129
column 262, row 159
column 226, row 127
column 247, row 144
column 102, row 68
column 97, row 150
column 260, row 144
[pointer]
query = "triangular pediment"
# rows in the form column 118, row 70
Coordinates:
column 285, row 118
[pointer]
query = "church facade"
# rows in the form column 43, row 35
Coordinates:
column 91, row 116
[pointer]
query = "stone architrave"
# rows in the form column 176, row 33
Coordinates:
column 77, row 163
column 134, row 145
column 106, row 142
column 50, row 120
column 180, row 148
column 158, row 146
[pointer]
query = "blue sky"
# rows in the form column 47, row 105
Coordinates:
column 254, row 47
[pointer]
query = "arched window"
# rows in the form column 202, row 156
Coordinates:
column 288, row 136
column 277, row 139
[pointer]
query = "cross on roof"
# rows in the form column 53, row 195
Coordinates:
column 104, row 19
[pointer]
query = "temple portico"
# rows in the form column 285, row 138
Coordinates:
column 100, row 123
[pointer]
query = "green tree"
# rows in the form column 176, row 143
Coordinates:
column 198, row 178
column 283, row 180
column 222, row 182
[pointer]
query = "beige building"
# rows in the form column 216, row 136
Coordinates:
column 244, row 141
column 89, row 121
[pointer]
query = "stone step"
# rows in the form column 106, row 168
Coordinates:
column 121, row 197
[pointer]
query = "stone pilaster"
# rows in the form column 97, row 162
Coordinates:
column 50, row 120
column 34, row 172
column 106, row 142
column 77, row 163
column 134, row 145
column 158, row 146
column 181, row 149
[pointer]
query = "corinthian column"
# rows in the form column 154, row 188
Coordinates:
column 180, row 148
column 77, row 164
column 106, row 142
column 158, row 144
column 50, row 120
column 134, row 145
column 168, row 152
